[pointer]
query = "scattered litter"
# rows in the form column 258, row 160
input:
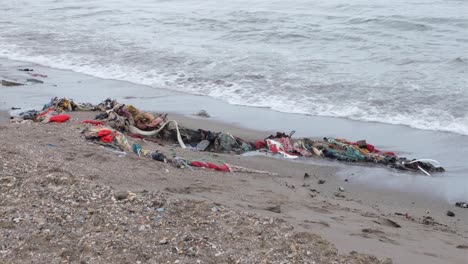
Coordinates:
column 203, row 145
column 38, row 75
column 52, row 145
column 203, row 113
column 93, row 122
column 387, row 222
column 160, row 209
column 180, row 163
column 120, row 154
column 461, row 204
column 115, row 119
column 58, row 118
column 11, row 83
column 341, row 189
column 339, row 195
column 107, row 137
column 34, row 80
column 158, row 156
column 209, row 165
column 321, row 181
column 137, row 149
column 450, row 213
column 26, row 70
column 346, row 151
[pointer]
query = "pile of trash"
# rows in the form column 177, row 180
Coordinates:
column 53, row 111
column 343, row 150
column 24, row 79
column 116, row 118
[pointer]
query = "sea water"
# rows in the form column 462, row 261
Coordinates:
column 399, row 62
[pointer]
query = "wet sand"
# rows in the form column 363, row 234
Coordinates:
column 356, row 219
column 4, row 117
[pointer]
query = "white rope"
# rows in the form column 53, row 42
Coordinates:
column 136, row 130
column 426, row 160
column 427, row 173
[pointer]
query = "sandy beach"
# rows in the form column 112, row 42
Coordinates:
column 309, row 221
column 359, row 219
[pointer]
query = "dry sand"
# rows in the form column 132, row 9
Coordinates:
column 49, row 161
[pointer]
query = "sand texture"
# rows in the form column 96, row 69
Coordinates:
column 65, row 199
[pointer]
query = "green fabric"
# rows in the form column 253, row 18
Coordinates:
column 353, row 153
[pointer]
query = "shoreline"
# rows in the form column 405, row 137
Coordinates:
column 447, row 148
column 164, row 92
column 337, row 219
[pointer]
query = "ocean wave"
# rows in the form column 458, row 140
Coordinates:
column 392, row 22
column 386, row 63
column 426, row 119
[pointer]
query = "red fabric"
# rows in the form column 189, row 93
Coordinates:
column 38, row 75
column 104, row 132
column 92, row 122
column 287, row 144
column 389, row 153
column 304, row 152
column 136, row 136
column 209, row 165
column 59, row 118
column 108, row 139
column 273, row 149
column 370, row 147
column 259, row 144
column 155, row 122
column 224, row 168
column 45, row 112
column 197, row 164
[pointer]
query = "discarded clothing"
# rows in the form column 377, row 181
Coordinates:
column 209, row 165
column 128, row 118
column 158, row 156
column 107, row 136
column 38, row 75
column 11, row 83
column 59, row 118
column 34, row 80
column 29, row 115
column 343, row 150
column 92, row 122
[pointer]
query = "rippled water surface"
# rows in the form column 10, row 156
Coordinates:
column 402, row 62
